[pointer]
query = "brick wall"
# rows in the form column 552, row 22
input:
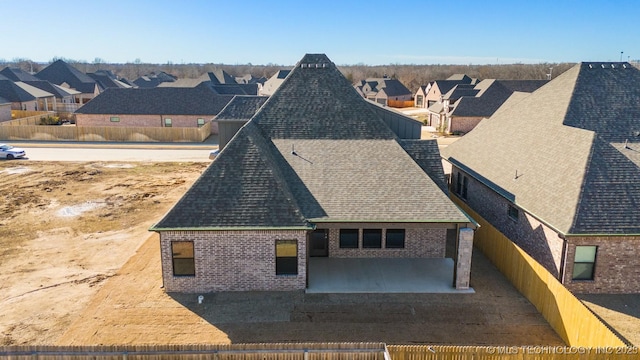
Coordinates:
column 537, row 239
column 463, row 124
column 617, row 267
column 144, row 120
column 233, row 261
column 419, row 243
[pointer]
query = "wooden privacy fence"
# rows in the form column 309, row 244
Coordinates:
column 539, row 352
column 568, row 316
column 105, row 133
column 275, row 351
column 22, row 117
column 400, row 103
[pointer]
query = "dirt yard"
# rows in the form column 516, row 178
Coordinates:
column 66, row 228
column 79, row 267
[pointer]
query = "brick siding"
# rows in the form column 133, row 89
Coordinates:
column 144, row 120
column 617, row 267
column 233, row 261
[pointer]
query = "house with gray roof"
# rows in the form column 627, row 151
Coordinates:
column 314, row 182
column 67, row 76
column 19, row 98
column 153, row 107
column 558, row 172
column 17, row 74
column 154, row 79
column 384, row 91
column 271, row 85
column 465, row 105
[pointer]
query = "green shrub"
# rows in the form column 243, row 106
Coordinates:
column 50, row 120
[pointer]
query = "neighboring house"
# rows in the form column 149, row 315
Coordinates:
column 464, row 106
column 107, row 79
column 219, row 81
column 65, row 98
column 154, row 79
column 46, row 101
column 153, row 107
column 558, row 172
column 314, row 176
column 384, row 90
column 5, row 109
column 421, row 94
column 65, row 75
column 17, row 74
column 270, row 86
column 18, row 97
column 440, row 87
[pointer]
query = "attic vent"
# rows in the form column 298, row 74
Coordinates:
column 590, row 66
column 602, row 66
column 324, row 65
column 317, row 66
column 302, row 66
column 624, row 66
column 613, row 66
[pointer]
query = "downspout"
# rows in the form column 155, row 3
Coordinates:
column 561, row 271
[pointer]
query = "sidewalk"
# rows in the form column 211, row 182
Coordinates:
column 210, row 143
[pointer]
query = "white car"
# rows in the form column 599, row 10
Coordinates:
column 9, row 152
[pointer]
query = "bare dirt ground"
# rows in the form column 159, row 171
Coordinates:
column 79, row 267
column 620, row 311
column 65, row 228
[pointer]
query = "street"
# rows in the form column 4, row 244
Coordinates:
column 80, row 152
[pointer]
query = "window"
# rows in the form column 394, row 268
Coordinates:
column 349, row 238
column 183, row 262
column 200, row 122
column 395, row 239
column 419, row 100
column 167, row 122
column 513, row 212
column 584, row 262
column 372, row 238
column 114, row 119
column 286, row 257
column 465, row 183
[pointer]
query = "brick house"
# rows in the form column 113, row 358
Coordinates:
column 153, row 107
column 382, row 90
column 315, row 173
column 558, row 172
column 19, row 98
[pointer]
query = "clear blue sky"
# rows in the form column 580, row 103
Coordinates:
column 350, row 32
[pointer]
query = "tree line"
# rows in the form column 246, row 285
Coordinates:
column 412, row 76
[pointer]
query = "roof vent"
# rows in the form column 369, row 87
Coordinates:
column 317, row 66
column 302, row 66
column 613, row 66
column 602, row 66
column 324, row 65
column 624, row 66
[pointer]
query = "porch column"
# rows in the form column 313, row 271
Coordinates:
column 463, row 261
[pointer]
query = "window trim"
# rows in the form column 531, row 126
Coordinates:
column 593, row 263
column 174, row 258
column 279, row 269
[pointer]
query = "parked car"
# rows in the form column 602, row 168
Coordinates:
column 9, row 152
column 213, row 154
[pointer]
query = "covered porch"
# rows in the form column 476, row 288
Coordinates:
column 381, row 275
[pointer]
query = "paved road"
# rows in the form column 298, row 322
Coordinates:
column 116, row 152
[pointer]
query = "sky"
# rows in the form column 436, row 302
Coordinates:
column 372, row 32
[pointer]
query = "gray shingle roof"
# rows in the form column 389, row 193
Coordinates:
column 566, row 140
column 14, row 93
column 200, row 100
column 241, row 108
column 17, row 74
column 57, row 91
column 60, row 72
column 314, row 152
